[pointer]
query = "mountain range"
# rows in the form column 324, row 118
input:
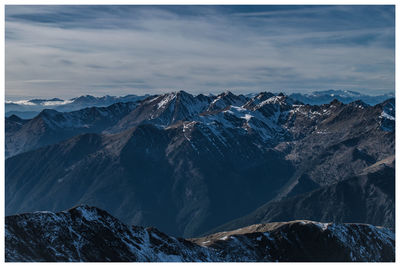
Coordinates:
column 191, row 165
column 27, row 109
column 344, row 96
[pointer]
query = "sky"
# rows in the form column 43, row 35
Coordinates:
column 67, row 51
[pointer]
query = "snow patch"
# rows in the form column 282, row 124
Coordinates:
column 322, row 226
column 387, row 116
column 167, row 98
column 225, row 237
column 89, row 215
column 247, row 117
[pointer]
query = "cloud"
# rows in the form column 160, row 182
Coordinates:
column 75, row 50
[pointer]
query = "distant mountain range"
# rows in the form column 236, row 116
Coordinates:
column 51, row 126
column 90, row 234
column 189, row 164
column 344, row 96
column 27, row 109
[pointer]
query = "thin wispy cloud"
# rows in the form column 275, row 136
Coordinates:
column 73, row 50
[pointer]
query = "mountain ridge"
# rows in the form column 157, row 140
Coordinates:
column 27, row 109
column 89, row 234
column 368, row 198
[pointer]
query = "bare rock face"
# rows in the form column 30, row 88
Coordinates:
column 90, row 234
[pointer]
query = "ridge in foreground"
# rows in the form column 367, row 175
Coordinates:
column 89, row 234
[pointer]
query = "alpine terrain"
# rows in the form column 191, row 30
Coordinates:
column 290, row 181
column 86, row 233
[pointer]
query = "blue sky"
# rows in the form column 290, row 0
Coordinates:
column 66, row 51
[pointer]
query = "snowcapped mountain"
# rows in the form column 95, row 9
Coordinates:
column 216, row 113
column 190, row 164
column 180, row 165
column 28, row 109
column 90, row 234
column 226, row 99
column 164, row 110
column 344, row 96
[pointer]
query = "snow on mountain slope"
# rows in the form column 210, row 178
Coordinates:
column 262, row 121
column 266, row 116
column 388, row 115
column 244, row 121
column 89, row 234
column 29, row 108
column 257, row 99
column 227, row 110
column 164, row 110
column 227, row 99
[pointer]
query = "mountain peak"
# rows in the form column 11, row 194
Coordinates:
column 83, row 207
column 335, row 102
column 184, row 94
column 89, row 213
column 227, row 93
column 48, row 112
column 84, row 98
column 263, row 96
column 359, row 103
column 227, row 99
column 14, row 118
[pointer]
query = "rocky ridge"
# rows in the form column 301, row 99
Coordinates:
column 89, row 234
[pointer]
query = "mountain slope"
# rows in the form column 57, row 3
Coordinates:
column 50, row 126
column 90, row 234
column 28, row 109
column 336, row 141
column 182, row 180
column 368, row 198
